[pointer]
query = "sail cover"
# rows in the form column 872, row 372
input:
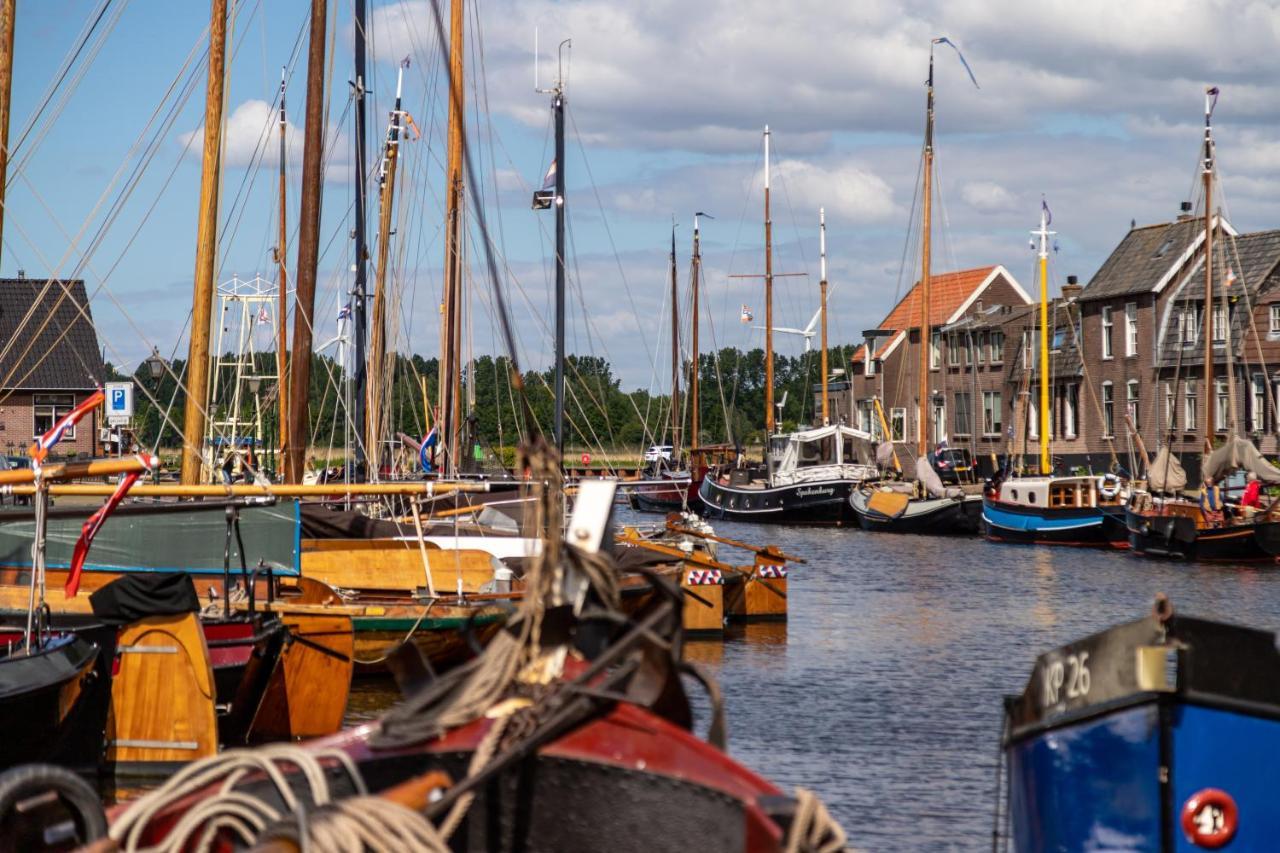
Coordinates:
column 1166, row 473
column 1239, row 453
column 929, row 478
column 884, row 454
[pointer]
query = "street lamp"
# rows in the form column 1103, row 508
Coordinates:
column 156, row 366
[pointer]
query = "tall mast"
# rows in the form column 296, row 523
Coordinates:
column 768, row 299
column 557, row 107
column 1046, row 464
column 308, row 249
column 7, row 12
column 1210, row 99
column 378, row 331
column 922, row 401
column 193, row 426
column 360, row 289
column 282, row 279
column 822, row 308
column 450, row 348
column 694, row 402
column 675, row 355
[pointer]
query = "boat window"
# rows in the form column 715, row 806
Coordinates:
column 821, row 451
column 1031, row 497
column 1014, row 492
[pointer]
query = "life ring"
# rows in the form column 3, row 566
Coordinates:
column 1109, row 488
column 75, row 805
column 1209, row 818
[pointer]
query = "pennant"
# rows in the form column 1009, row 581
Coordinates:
column 549, row 181
column 747, row 316
column 428, row 444
column 263, row 316
column 40, row 450
column 947, row 41
column 345, row 313
column 90, row 530
column 1210, row 100
column 1048, row 214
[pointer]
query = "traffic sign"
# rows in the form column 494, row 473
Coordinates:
column 119, row 402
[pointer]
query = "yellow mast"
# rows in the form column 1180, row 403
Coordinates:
column 193, row 425
column 449, row 413
column 1046, row 463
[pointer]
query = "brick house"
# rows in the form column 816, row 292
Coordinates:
column 49, row 362
column 960, row 353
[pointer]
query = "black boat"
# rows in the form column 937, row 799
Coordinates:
column 50, row 707
column 1177, row 530
column 808, row 480
column 893, row 512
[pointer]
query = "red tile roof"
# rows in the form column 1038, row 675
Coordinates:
column 947, row 292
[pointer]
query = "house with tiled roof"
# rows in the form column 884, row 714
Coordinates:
column 891, row 373
column 49, row 362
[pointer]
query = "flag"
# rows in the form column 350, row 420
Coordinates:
column 1048, row 214
column 45, row 443
column 263, row 316
column 549, row 181
column 428, row 444
column 747, row 316
column 942, row 444
column 404, row 63
column 1210, row 100
column 90, row 530
column 947, row 41
column 345, row 313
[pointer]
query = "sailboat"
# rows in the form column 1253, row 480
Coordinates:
column 1160, row 526
column 1046, row 508
column 926, row 507
column 808, row 475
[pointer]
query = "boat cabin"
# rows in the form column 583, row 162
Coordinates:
column 828, row 453
column 1059, row 492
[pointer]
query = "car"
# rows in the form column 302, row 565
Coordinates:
column 954, row 465
column 659, row 451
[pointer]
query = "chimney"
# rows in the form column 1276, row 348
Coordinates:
column 1185, row 213
column 1071, row 290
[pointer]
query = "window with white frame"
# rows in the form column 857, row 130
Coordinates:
column 1258, row 404
column 1130, row 329
column 991, row 412
column 997, row 347
column 1274, row 325
column 1219, row 324
column 1191, row 405
column 1108, row 409
column 1220, row 405
column 898, row 424
column 1070, row 403
column 935, row 350
column 1131, row 403
column 1188, row 324
column 1106, row 334
column 979, row 344
column 1170, row 407
column 47, row 409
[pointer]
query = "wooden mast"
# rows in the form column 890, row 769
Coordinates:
column 193, row 426
column 378, row 323
column 1207, row 329
column 822, row 308
column 768, row 301
column 450, row 380
column 1046, row 463
column 694, row 402
column 922, row 402
column 308, row 249
column 282, row 306
column 7, row 12
column 675, row 356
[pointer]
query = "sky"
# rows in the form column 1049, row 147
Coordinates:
column 1097, row 107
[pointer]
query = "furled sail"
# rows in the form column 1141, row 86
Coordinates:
column 1166, row 474
column 884, row 454
column 1239, row 453
column 929, row 478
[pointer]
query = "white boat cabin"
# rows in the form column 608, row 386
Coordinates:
column 828, row 453
column 1060, row 492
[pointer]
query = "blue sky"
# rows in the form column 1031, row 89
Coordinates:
column 1095, row 105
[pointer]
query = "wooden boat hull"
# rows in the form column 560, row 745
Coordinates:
column 1089, row 527
column 48, row 709
column 1180, row 537
column 818, row 503
column 667, row 497
column 935, row 516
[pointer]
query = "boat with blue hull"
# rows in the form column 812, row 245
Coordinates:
column 1158, row 734
column 1084, row 511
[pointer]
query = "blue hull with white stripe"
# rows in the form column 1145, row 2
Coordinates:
column 1084, row 526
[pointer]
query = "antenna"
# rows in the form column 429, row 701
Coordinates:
column 558, row 88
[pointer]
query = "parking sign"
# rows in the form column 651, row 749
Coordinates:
column 119, row 403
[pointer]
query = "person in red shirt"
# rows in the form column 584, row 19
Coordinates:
column 1252, row 496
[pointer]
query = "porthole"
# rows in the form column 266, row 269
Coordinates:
column 1031, row 497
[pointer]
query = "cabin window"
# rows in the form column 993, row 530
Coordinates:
column 935, row 350
column 48, row 408
column 1130, row 329
column 1191, row 404
column 1131, row 403
column 819, row 452
column 960, row 419
column 996, row 349
column 1274, row 326
column 1219, row 324
column 1170, row 407
column 1031, row 497
column 1014, row 492
column 1220, row 406
column 1258, row 404
column 1108, row 410
column 991, row 412
column 1070, row 404
column 898, row 424
column 1106, row 335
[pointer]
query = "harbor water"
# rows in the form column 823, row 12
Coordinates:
column 883, row 690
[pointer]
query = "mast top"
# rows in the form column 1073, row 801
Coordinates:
column 1210, row 101
column 1043, row 232
column 766, row 156
column 822, row 242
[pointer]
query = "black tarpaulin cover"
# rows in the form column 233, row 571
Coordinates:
column 136, row 596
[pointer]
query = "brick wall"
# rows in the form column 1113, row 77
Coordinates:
column 17, row 427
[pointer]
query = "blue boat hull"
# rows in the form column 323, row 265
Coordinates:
column 1086, row 526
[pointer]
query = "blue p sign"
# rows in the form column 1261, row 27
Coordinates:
column 117, row 399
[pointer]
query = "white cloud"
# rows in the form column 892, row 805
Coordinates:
column 988, row 197
column 251, row 136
